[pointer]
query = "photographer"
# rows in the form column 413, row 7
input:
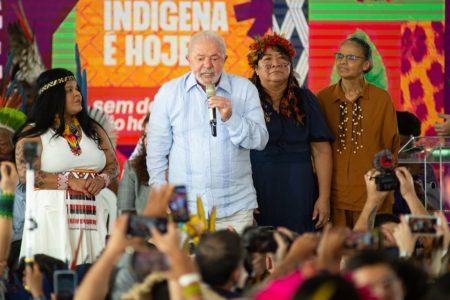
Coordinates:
column 96, row 283
column 375, row 198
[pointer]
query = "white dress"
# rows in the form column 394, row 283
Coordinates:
column 63, row 215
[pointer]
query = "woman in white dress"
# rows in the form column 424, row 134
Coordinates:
column 77, row 161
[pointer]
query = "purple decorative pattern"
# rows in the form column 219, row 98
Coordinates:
column 447, row 59
column 44, row 17
column 260, row 10
column 422, row 67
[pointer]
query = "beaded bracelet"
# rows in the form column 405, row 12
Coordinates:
column 191, row 290
column 6, row 205
column 62, row 182
column 188, row 279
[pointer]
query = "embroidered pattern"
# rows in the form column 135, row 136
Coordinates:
column 56, row 82
column 81, row 210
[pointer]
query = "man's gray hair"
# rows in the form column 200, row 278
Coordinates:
column 208, row 35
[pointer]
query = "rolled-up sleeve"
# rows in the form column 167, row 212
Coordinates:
column 249, row 129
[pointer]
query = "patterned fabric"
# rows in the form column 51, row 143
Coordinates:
column 81, row 210
column 290, row 17
column 65, row 217
column 422, row 71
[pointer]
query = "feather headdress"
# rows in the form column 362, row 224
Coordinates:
column 27, row 58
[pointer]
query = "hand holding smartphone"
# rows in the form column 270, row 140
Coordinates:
column 139, row 225
column 64, row 284
column 423, row 224
column 359, row 240
column 178, row 205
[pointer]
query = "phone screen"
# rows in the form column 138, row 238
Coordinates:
column 423, row 225
column 179, row 205
column 359, row 240
column 145, row 262
column 65, row 283
column 140, row 225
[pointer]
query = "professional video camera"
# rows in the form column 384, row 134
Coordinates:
column 384, row 163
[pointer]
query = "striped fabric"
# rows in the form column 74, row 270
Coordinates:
column 81, row 210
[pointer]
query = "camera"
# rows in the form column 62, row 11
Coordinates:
column 384, row 163
column 140, row 225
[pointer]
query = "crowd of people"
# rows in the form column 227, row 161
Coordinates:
column 287, row 182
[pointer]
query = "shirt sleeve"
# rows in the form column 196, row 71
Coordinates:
column 125, row 194
column 318, row 127
column 159, row 138
column 391, row 139
column 249, row 129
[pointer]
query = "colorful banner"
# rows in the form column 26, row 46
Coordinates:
column 326, row 37
column 372, row 10
column 422, row 71
column 130, row 48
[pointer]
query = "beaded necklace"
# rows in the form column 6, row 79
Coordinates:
column 71, row 134
column 357, row 129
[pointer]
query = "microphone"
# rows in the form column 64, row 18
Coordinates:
column 210, row 92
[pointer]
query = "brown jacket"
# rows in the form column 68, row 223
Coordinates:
column 379, row 131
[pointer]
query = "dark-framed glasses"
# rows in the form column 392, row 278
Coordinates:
column 270, row 66
column 348, row 57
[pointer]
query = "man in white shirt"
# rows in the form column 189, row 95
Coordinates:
column 217, row 168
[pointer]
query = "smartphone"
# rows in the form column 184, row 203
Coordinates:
column 178, row 204
column 64, row 284
column 360, row 240
column 423, row 224
column 140, row 225
column 145, row 262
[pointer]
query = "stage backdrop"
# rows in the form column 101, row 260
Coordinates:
column 129, row 48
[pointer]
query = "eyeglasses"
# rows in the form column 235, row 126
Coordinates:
column 270, row 66
column 348, row 57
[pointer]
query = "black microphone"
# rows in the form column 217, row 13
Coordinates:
column 211, row 92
